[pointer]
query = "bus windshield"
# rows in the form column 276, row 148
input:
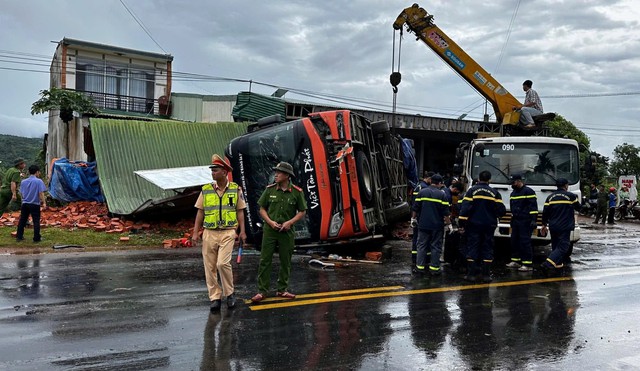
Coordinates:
column 255, row 156
column 538, row 163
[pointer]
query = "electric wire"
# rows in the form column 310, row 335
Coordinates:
column 141, row 24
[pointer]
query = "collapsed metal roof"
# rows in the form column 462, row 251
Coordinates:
column 124, row 146
column 252, row 107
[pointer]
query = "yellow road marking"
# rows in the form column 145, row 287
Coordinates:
column 331, row 293
column 295, row 303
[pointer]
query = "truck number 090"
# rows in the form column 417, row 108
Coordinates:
column 508, row 147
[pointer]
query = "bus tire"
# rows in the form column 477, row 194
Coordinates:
column 379, row 127
column 398, row 212
column 365, row 178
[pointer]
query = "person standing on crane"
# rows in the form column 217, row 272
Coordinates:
column 532, row 106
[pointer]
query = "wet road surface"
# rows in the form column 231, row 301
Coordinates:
column 149, row 310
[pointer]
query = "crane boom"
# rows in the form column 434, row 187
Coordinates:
column 421, row 24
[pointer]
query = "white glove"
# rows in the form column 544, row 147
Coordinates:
column 414, row 222
column 448, row 228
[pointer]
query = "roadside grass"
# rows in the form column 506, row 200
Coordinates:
column 85, row 237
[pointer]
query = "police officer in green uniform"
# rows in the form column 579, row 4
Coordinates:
column 282, row 204
column 11, row 186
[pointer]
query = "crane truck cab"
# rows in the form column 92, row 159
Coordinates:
column 350, row 169
column 539, row 160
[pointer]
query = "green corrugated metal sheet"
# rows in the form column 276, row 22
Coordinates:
column 123, row 146
column 252, row 107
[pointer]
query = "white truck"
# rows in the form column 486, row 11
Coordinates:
column 540, row 161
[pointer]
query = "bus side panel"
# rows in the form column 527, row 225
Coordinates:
column 318, row 192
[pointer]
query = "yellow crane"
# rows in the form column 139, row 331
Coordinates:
column 421, row 24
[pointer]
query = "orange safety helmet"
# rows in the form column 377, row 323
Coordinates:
column 612, row 189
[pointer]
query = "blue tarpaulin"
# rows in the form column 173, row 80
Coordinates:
column 410, row 165
column 75, row 181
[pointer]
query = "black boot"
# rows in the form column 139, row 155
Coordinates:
column 471, row 271
column 486, row 272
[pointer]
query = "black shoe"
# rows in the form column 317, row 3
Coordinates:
column 486, row 278
column 19, row 239
column 37, row 241
column 231, row 301
column 435, row 273
column 215, row 305
column 547, row 269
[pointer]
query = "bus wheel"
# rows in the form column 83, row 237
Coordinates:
column 379, row 127
column 365, row 178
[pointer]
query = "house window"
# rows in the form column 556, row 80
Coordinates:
column 116, row 86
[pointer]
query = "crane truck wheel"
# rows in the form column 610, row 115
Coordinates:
column 365, row 178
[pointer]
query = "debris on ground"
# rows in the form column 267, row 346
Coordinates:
column 402, row 231
column 93, row 215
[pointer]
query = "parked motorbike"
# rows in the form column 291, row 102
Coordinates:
column 627, row 210
column 588, row 207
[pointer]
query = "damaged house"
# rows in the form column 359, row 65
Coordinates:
column 133, row 142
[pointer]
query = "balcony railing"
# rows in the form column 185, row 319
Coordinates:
column 124, row 103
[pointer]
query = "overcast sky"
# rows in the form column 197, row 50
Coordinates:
column 344, row 48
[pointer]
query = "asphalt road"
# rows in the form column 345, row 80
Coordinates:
column 149, row 310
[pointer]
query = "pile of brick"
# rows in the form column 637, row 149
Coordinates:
column 92, row 215
column 402, row 231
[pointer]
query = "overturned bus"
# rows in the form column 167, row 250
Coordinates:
column 350, row 169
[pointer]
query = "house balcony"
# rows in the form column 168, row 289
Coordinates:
column 125, row 103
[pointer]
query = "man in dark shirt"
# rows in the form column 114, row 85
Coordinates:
column 479, row 215
column 430, row 215
column 524, row 211
column 558, row 218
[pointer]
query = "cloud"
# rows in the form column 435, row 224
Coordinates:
column 345, row 49
column 23, row 126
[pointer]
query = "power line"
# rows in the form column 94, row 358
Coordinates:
column 142, row 25
column 359, row 102
column 506, row 41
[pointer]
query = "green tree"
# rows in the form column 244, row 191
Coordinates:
column 563, row 128
column 626, row 160
column 66, row 101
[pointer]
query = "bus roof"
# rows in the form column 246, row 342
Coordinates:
column 532, row 139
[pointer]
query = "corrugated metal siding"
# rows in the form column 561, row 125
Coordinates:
column 187, row 107
column 217, row 111
column 252, row 107
column 123, row 146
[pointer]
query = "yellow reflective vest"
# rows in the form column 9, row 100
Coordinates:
column 220, row 211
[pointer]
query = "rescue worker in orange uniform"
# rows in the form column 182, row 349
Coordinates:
column 220, row 207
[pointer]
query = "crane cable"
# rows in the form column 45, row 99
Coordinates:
column 395, row 77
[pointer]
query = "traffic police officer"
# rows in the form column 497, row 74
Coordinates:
column 220, row 207
column 524, row 211
column 558, row 218
column 430, row 213
column 424, row 183
column 479, row 215
column 282, row 204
